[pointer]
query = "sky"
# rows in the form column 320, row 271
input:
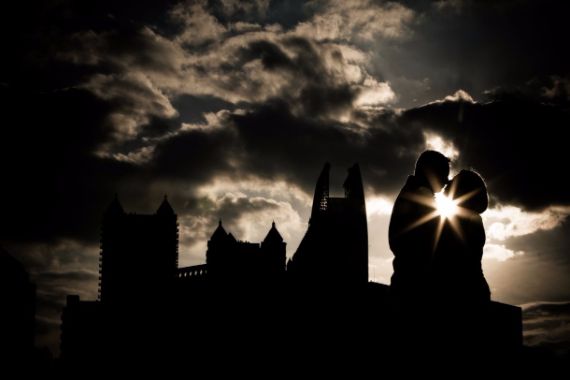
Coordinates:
column 231, row 108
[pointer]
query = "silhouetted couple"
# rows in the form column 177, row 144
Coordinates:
column 438, row 257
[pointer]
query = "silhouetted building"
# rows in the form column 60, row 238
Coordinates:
column 140, row 280
column 334, row 249
column 139, row 254
column 245, row 293
column 18, row 306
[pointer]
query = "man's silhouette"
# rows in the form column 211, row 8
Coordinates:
column 412, row 231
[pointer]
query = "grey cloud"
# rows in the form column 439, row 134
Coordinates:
column 117, row 50
column 243, row 8
column 199, row 26
column 356, row 20
column 547, row 325
column 142, row 70
column 136, row 99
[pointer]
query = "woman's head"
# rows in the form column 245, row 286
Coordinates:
column 470, row 184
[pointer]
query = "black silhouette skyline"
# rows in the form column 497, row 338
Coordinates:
column 322, row 297
column 232, row 107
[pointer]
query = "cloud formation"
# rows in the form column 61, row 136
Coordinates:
column 357, row 20
column 142, row 71
column 547, row 325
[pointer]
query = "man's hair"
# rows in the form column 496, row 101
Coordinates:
column 432, row 162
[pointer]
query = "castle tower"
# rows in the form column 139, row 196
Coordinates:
column 220, row 256
column 139, row 254
column 334, row 249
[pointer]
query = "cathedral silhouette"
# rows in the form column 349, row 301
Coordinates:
column 246, row 302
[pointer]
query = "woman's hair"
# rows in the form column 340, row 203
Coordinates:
column 469, row 182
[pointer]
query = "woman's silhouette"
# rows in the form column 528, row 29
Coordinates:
column 456, row 270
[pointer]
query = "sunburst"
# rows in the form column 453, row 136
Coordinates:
column 444, row 206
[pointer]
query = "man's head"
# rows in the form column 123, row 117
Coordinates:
column 433, row 168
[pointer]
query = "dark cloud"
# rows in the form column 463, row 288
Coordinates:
column 550, row 90
column 272, row 143
column 475, row 46
column 46, row 157
column 296, row 148
column 516, row 144
column 316, row 90
column 272, row 57
column 196, row 155
column 191, row 108
column 547, row 325
column 35, row 32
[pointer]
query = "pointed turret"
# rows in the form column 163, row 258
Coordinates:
column 165, row 208
column 114, row 208
column 273, row 235
column 220, row 233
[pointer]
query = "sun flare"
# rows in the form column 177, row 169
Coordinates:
column 446, row 207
